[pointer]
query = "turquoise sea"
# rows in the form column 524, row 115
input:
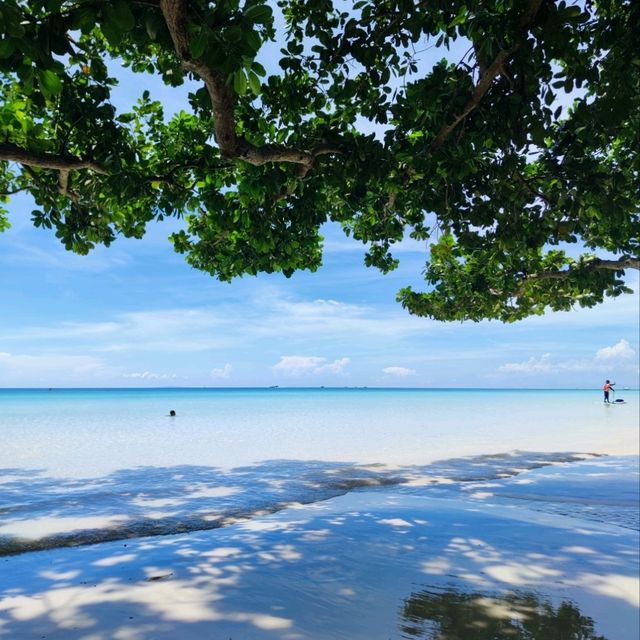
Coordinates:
column 80, row 465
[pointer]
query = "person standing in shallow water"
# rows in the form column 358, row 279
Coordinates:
column 608, row 386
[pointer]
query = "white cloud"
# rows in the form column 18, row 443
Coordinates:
column 223, row 373
column 333, row 367
column 322, row 317
column 48, row 368
column 150, row 375
column 298, row 364
column 544, row 364
column 162, row 331
column 194, row 330
column 301, row 365
column 399, row 372
column 532, row 365
column 56, row 258
column 604, row 360
column 620, row 351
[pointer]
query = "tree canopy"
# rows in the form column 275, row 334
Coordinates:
column 308, row 111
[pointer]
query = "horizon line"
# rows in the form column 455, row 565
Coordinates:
column 307, row 388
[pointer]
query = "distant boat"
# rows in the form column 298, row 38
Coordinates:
column 274, row 386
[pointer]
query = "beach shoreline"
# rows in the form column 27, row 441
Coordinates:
column 374, row 563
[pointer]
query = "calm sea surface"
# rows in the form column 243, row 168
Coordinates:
column 83, row 433
column 75, row 464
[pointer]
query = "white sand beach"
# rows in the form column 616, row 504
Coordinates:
column 550, row 548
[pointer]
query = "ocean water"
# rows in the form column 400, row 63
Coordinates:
column 78, row 466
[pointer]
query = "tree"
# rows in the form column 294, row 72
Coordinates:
column 497, row 160
column 456, row 615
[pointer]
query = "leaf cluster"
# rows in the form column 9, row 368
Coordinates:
column 505, row 160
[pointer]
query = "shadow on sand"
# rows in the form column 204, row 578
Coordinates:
column 40, row 512
column 344, row 569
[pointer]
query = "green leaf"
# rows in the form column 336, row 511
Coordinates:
column 240, row 82
column 50, row 83
column 254, row 83
column 112, row 32
column 7, row 47
column 59, row 44
column 153, row 24
column 122, row 16
column 505, row 203
column 259, row 14
column 198, row 44
column 252, row 40
column 258, row 69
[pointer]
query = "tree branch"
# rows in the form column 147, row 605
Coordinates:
column 178, row 18
column 13, row 153
column 62, row 163
column 303, row 170
column 63, row 181
column 482, row 65
column 14, row 191
column 487, row 77
column 629, row 262
column 538, row 194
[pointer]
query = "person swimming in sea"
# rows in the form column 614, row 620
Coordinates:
column 172, row 414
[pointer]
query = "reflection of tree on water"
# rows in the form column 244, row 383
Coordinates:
column 452, row 615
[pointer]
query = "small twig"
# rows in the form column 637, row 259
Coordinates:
column 533, row 190
column 486, row 78
column 14, row 191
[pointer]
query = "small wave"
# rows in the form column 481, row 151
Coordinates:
column 40, row 512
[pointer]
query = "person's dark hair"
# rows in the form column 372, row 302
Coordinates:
column 172, row 413
column 607, row 381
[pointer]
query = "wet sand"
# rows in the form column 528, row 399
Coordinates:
column 549, row 547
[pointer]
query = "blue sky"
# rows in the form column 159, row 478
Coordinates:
column 136, row 315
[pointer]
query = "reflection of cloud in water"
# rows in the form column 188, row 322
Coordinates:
column 455, row 615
